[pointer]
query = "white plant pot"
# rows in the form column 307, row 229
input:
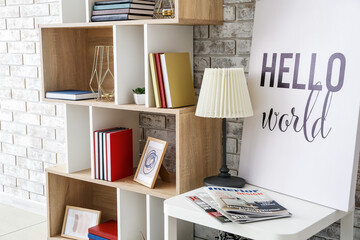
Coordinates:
column 139, row 99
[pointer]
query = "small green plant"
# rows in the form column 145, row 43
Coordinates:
column 139, row 91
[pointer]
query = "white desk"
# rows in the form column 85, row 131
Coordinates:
column 307, row 220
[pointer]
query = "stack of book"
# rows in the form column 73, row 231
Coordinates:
column 172, row 79
column 118, row 10
column 104, row 231
column 113, row 154
column 238, row 205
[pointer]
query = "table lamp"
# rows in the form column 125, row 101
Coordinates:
column 224, row 94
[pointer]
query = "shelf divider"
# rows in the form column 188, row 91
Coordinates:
column 77, row 127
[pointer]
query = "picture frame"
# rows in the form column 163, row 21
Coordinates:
column 77, row 221
column 150, row 162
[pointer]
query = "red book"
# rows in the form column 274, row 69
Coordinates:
column 161, row 80
column 106, row 230
column 119, row 154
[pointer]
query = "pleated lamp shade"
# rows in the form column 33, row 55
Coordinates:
column 224, row 94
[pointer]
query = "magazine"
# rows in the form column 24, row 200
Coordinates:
column 244, row 205
column 207, row 208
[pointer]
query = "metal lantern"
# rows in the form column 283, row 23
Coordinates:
column 164, row 9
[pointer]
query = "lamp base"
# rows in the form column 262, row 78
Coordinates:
column 228, row 181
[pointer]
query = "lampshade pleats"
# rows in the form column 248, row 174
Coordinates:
column 224, row 94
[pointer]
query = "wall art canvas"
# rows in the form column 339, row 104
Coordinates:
column 304, row 83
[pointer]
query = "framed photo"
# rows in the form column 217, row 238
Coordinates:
column 77, row 221
column 150, row 162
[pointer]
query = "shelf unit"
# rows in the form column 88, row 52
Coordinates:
column 67, row 53
column 186, row 12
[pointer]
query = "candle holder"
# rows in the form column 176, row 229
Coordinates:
column 102, row 76
column 164, row 9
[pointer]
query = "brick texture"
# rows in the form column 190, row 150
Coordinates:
column 27, row 126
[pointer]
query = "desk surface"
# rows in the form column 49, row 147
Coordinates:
column 307, row 219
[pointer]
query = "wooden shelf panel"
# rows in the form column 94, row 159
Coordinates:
column 110, row 23
column 129, row 107
column 161, row 190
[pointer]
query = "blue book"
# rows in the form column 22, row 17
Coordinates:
column 122, row 6
column 92, row 236
column 71, row 95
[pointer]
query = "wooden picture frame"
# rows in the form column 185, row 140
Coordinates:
column 150, row 162
column 77, row 221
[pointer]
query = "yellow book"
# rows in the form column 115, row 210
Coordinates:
column 178, row 79
column 154, row 80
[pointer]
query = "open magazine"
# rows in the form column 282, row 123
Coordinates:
column 242, row 205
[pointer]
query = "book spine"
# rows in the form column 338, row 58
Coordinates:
column 166, row 81
column 113, row 17
column 101, row 159
column 95, row 237
column 110, row 12
column 93, row 170
column 108, row 153
column 161, row 81
column 155, row 80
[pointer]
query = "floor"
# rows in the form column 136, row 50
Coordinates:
column 17, row 224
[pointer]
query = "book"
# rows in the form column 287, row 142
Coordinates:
column 71, row 95
column 118, row 17
column 208, row 209
column 178, row 80
column 99, row 158
column 155, row 81
column 124, row 1
column 124, row 10
column 94, row 237
column 160, row 80
column 250, row 203
column 106, row 230
column 119, row 154
column 123, row 5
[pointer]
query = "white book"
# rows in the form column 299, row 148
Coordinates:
column 71, row 95
column 166, row 81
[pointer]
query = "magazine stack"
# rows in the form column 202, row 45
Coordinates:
column 239, row 205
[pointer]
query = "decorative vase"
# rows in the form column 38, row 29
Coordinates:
column 139, row 99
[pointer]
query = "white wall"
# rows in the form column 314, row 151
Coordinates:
column 31, row 132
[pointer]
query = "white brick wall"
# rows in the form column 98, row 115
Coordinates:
column 31, row 132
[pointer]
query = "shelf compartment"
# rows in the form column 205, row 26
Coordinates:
column 160, row 39
column 102, row 118
column 132, row 215
column 63, row 190
column 129, row 62
column 154, row 220
column 68, row 54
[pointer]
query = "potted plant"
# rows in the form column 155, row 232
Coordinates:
column 139, row 95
